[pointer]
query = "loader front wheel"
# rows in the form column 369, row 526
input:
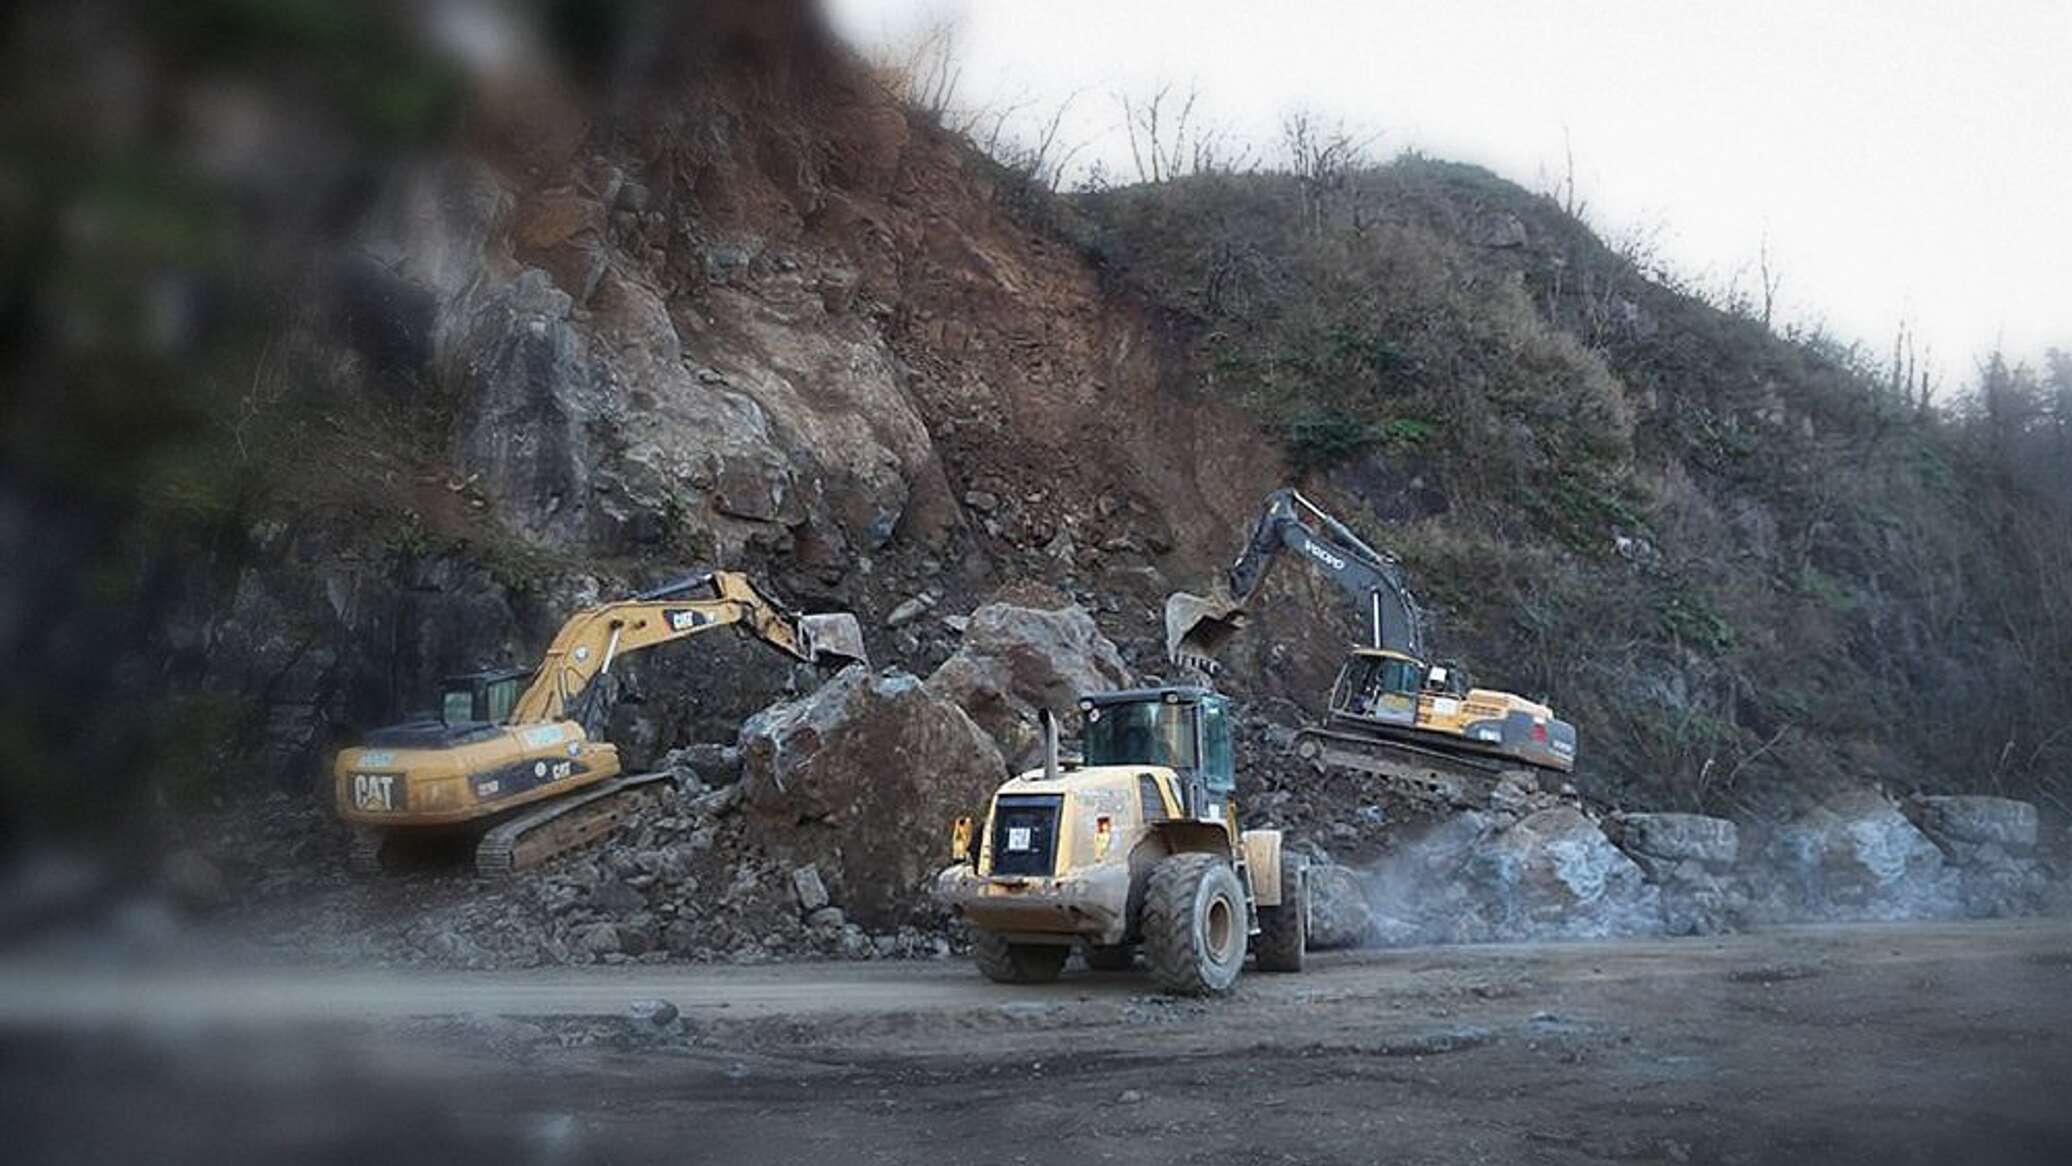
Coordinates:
column 1194, row 925
column 1284, row 930
column 1017, row 963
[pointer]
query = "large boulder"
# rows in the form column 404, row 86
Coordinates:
column 1855, row 857
column 1556, row 874
column 1654, row 840
column 1957, row 822
column 1015, row 660
column 1689, row 857
column 1991, row 843
column 1338, row 911
column 862, row 778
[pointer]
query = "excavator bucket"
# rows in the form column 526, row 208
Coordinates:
column 834, row 639
column 1197, row 627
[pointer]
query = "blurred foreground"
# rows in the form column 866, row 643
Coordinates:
column 1869, row 1043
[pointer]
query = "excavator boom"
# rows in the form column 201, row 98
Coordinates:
column 1198, row 626
column 594, row 639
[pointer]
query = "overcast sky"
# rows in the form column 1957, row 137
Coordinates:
column 1905, row 158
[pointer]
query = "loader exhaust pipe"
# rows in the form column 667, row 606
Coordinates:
column 1050, row 743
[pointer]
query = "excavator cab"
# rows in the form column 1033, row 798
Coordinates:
column 1448, row 678
column 1377, row 684
column 479, row 698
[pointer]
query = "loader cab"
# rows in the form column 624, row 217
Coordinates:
column 478, row 698
column 1184, row 729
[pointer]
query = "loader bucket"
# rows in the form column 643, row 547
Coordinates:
column 834, row 639
column 1197, row 627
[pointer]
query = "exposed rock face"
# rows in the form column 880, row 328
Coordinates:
column 1689, row 856
column 1854, row 857
column 581, row 414
column 863, row 778
column 1016, row 660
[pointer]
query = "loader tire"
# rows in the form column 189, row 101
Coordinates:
column 1017, row 963
column 1194, row 925
column 1284, row 930
column 1120, row 957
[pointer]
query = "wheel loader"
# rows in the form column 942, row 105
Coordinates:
column 513, row 754
column 1132, row 846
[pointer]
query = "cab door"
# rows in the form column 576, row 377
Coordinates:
column 1218, row 772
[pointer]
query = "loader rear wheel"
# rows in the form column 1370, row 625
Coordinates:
column 1194, row 924
column 1284, row 930
column 1017, row 963
column 1118, row 957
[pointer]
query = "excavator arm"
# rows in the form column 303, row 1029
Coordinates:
column 1198, row 626
column 594, row 639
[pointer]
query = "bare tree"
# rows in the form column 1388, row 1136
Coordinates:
column 1771, row 278
column 1911, row 377
column 1167, row 140
column 1571, row 205
column 1323, row 159
column 925, row 72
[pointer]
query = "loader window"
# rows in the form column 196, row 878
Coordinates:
column 1217, row 768
column 1146, row 733
column 458, row 707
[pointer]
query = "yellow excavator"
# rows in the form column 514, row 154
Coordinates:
column 525, row 760
column 1393, row 712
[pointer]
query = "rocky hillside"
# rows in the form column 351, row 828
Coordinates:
column 335, row 386
column 1748, row 566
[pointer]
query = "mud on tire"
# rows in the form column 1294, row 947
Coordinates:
column 1284, row 930
column 1017, row 963
column 1194, row 924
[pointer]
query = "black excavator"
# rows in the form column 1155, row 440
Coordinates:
column 1393, row 711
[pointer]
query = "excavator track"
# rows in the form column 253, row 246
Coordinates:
column 559, row 826
column 1417, row 771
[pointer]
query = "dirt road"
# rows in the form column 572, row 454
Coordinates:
column 1919, row 1043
